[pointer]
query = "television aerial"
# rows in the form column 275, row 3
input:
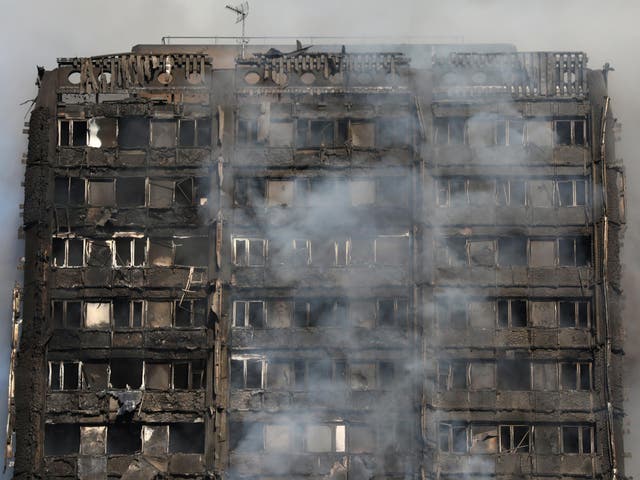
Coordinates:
column 241, row 11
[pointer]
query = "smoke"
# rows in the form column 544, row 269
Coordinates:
column 36, row 32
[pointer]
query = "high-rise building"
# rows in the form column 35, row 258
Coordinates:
column 371, row 261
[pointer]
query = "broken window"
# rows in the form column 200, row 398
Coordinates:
column 484, row 439
column 572, row 193
column 99, row 253
column 578, row 439
column 545, row 376
column 362, row 192
column 249, row 252
column 515, row 439
column 451, row 251
column 95, row 376
column 97, row 315
column 130, row 191
column 362, row 439
column 69, row 191
column 392, row 249
column 279, row 375
column 482, row 314
column 249, row 191
column 325, row 438
column 319, row 312
column 191, row 252
column 101, row 192
column 481, row 191
column 449, row 131
column 157, row 376
column 247, row 372
column 93, row 440
column 194, row 132
column 512, row 313
column 540, row 193
column 191, row 191
column 160, row 252
column 319, row 133
column 186, row 437
column 392, row 312
column 574, row 251
column 362, row 313
column 301, row 252
column 72, row 133
column 511, row 192
column 125, row 373
column 280, row 193
column 512, row 251
column 133, row 132
column 362, row 376
column 102, row 132
column 574, row 314
column 575, row 376
column 64, row 375
column 452, row 375
column 362, row 133
column 394, row 132
column 510, row 132
column 126, row 313
column 543, row 314
column 247, row 131
column 124, row 439
column 281, row 133
column 160, row 193
column 163, row 133
column 542, row 253
column 246, row 437
column 279, row 314
column 452, row 438
column 482, row 376
column 570, row 132
column 188, row 375
column 129, row 251
column 514, row 374
column 61, row 439
column 249, row 313
column 277, row 438
column 481, row 252
column 155, row 439
column 190, row 313
column 452, row 314
column 159, row 314
column 539, row 133
column 481, row 131
column 67, row 314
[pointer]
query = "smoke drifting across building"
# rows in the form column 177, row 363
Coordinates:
column 396, row 261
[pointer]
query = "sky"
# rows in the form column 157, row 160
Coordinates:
column 36, row 32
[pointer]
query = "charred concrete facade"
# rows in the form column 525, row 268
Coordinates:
column 363, row 262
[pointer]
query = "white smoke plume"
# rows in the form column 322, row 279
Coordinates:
column 36, row 32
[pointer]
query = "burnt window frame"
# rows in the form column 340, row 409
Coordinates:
column 334, row 428
column 246, row 309
column 245, row 359
column 508, row 197
column 451, row 122
column 575, row 202
column 195, row 369
column 69, row 180
column 449, row 373
column 71, row 137
column 198, row 308
column 65, row 313
column 338, row 128
column 582, row 429
column 575, row 382
column 511, row 438
column 197, row 133
column 508, row 124
column 400, row 312
column 576, row 125
column 454, row 445
column 61, row 369
column 139, row 145
column 67, row 240
column 132, row 316
column 509, row 305
column 577, row 303
column 575, row 239
column 136, row 242
column 246, row 260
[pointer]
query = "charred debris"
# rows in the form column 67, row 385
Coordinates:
column 338, row 262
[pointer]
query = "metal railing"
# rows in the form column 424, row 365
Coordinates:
column 312, row 39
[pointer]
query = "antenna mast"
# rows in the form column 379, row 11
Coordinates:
column 242, row 11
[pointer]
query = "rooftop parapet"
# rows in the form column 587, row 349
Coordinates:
column 124, row 72
column 535, row 75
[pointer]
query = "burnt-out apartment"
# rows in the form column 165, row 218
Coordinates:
column 335, row 262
